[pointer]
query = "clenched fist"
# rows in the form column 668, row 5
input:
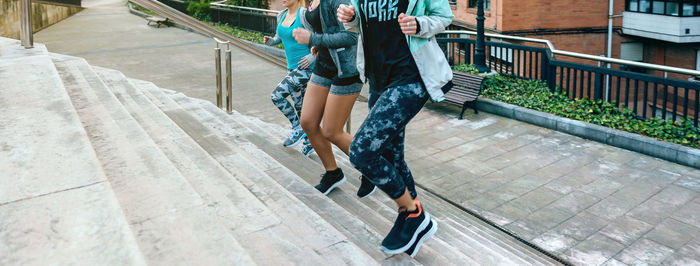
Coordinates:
column 301, row 35
column 346, row 13
column 408, row 24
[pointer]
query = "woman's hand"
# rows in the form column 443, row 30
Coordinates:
column 306, row 61
column 345, row 13
column 408, row 24
column 265, row 39
column 301, row 35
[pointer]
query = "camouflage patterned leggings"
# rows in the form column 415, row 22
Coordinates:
column 294, row 85
column 377, row 150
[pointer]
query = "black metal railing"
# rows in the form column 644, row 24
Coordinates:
column 646, row 95
column 243, row 19
column 247, row 20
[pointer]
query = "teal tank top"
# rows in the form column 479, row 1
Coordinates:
column 292, row 49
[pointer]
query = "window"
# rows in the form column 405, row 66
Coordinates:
column 633, row 5
column 657, row 7
column 487, row 4
column 697, row 61
column 688, row 9
column 676, row 8
column 644, row 6
column 632, row 51
column 672, row 8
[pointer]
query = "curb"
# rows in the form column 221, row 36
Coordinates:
column 634, row 142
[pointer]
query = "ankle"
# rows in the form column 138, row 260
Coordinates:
column 334, row 172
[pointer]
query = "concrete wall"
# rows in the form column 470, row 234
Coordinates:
column 43, row 15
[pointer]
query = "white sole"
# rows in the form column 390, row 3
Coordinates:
column 342, row 181
column 403, row 249
column 425, row 237
column 295, row 143
column 370, row 193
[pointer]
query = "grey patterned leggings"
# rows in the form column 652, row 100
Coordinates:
column 294, row 85
column 377, row 150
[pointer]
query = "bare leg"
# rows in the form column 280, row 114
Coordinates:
column 313, row 105
column 406, row 201
column 337, row 111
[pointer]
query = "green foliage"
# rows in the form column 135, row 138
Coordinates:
column 142, row 9
column 250, row 3
column 252, row 36
column 200, row 11
column 471, row 69
column 535, row 94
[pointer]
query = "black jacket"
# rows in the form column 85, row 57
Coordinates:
column 341, row 44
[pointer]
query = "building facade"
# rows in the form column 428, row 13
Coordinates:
column 664, row 32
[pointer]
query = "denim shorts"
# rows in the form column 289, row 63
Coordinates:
column 338, row 86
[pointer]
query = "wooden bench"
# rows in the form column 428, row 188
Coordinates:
column 158, row 20
column 465, row 91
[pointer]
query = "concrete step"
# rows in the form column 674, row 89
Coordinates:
column 55, row 203
column 12, row 49
column 333, row 246
column 166, row 216
column 480, row 239
column 455, row 251
column 350, row 203
column 258, row 226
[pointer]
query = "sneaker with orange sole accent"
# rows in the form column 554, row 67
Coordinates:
column 407, row 227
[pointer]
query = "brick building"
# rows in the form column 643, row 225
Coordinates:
column 665, row 32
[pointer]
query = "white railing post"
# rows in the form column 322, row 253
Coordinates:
column 25, row 22
column 217, row 67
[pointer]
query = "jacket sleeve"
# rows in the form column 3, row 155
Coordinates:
column 276, row 39
column 438, row 17
column 340, row 39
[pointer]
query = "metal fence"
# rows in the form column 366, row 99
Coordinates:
column 247, row 20
column 646, row 95
column 251, row 19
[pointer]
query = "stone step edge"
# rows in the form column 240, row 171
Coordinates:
column 277, row 185
column 95, row 79
column 521, row 246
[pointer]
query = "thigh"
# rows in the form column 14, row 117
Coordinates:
column 389, row 116
column 314, row 102
column 299, row 78
column 337, row 111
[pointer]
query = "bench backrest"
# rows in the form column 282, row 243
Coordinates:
column 466, row 80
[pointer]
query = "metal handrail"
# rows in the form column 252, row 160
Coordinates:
column 229, row 79
column 221, row 4
column 584, row 56
column 25, row 32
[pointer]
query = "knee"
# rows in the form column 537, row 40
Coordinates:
column 330, row 134
column 307, row 124
column 275, row 97
column 359, row 157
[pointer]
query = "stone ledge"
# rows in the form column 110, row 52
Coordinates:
column 634, row 142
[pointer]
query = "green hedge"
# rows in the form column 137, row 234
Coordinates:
column 535, row 94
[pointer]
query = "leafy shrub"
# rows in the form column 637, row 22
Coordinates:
column 535, row 94
column 200, row 11
column 250, row 3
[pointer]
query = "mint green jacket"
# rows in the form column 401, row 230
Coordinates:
column 433, row 16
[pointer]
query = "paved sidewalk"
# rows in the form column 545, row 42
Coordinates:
column 588, row 202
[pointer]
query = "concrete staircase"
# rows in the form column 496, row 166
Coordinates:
column 97, row 168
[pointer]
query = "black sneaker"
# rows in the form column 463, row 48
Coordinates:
column 331, row 180
column 405, row 231
column 366, row 188
column 424, row 235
